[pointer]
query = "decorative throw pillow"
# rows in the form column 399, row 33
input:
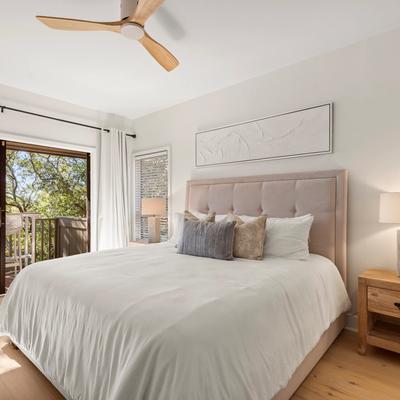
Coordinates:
column 205, row 239
column 249, row 237
column 179, row 219
column 288, row 237
column 199, row 215
column 210, row 217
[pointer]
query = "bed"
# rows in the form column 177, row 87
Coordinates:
column 150, row 324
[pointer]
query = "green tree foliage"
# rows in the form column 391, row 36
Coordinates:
column 46, row 184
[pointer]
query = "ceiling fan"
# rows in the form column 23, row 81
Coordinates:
column 134, row 14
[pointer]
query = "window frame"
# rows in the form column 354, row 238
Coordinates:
column 145, row 154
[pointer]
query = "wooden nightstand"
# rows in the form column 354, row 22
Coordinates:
column 379, row 310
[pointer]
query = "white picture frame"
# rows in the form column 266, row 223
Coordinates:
column 299, row 133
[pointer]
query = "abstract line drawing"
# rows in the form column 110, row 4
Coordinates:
column 294, row 134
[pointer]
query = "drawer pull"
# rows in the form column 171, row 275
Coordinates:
column 397, row 305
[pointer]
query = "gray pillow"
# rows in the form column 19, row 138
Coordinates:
column 207, row 239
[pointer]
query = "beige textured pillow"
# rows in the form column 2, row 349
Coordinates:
column 249, row 237
column 189, row 216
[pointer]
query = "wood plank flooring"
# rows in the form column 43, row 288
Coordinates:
column 342, row 374
column 20, row 379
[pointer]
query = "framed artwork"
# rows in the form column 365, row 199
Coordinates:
column 297, row 133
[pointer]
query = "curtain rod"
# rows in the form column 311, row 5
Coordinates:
column 2, row 108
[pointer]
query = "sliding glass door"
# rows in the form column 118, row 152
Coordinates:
column 2, row 217
column 45, row 206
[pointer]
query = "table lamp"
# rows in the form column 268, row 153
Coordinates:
column 154, row 208
column 389, row 213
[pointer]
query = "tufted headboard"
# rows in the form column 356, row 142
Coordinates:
column 322, row 194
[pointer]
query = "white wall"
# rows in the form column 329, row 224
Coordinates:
column 363, row 81
column 31, row 129
column 26, row 125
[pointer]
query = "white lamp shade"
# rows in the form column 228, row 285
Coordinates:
column 390, row 208
column 154, row 206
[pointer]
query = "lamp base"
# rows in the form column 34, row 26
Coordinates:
column 154, row 229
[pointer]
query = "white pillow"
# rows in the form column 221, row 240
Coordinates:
column 177, row 227
column 288, row 237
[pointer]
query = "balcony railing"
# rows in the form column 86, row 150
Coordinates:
column 45, row 239
column 60, row 237
column 31, row 238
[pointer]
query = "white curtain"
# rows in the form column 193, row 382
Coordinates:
column 113, row 199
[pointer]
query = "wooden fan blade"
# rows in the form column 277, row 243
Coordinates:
column 159, row 52
column 144, row 10
column 66, row 24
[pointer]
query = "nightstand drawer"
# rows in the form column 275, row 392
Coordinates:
column 384, row 301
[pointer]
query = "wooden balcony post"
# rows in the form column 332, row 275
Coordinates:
column 57, row 250
column 41, row 240
column 33, row 233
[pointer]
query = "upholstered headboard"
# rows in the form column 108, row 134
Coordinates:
column 322, row 194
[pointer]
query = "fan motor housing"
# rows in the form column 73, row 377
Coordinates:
column 132, row 31
column 128, row 7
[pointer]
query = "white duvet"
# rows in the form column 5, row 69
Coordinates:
column 148, row 324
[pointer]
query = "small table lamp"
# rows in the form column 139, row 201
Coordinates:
column 389, row 213
column 154, row 208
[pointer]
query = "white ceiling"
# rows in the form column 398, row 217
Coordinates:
column 219, row 43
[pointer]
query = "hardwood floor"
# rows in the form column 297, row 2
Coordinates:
column 342, row 374
column 20, row 379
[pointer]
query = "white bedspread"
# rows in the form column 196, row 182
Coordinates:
column 148, row 324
